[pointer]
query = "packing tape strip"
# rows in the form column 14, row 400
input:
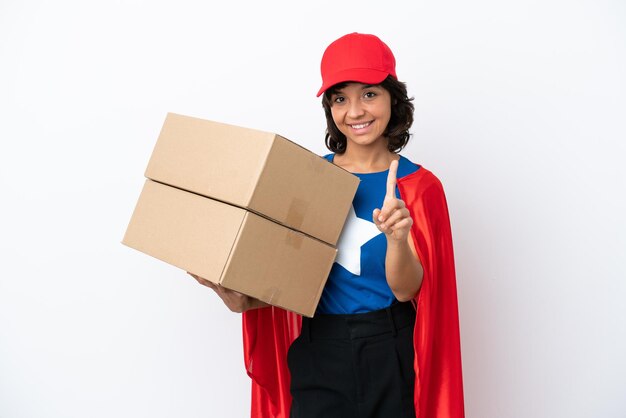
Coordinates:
column 296, row 212
column 294, row 239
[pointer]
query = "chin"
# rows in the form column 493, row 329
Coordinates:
column 363, row 142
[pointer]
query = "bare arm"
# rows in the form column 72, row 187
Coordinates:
column 235, row 301
column 404, row 271
column 402, row 266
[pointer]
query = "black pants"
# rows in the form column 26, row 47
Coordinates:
column 350, row 366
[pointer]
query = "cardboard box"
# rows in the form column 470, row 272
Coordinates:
column 231, row 246
column 256, row 170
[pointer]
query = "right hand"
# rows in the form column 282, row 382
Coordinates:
column 235, row 301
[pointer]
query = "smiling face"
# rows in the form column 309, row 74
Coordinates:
column 361, row 112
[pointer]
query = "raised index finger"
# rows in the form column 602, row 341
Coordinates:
column 391, row 179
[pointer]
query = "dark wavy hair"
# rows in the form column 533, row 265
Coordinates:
column 397, row 131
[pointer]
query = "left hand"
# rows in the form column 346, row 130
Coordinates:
column 235, row 301
column 393, row 219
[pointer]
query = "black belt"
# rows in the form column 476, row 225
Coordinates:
column 351, row 326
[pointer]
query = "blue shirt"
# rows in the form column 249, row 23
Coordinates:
column 357, row 282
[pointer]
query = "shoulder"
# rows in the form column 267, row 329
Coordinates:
column 423, row 188
column 416, row 175
column 406, row 167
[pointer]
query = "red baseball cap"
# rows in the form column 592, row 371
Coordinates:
column 356, row 57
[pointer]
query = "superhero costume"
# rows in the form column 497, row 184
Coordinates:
column 268, row 332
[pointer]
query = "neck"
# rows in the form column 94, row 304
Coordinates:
column 370, row 159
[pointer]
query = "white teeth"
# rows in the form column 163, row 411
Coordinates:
column 360, row 125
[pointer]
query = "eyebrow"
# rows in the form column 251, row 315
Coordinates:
column 365, row 87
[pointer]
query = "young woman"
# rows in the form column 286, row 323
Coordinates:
column 384, row 341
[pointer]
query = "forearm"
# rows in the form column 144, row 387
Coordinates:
column 235, row 301
column 403, row 270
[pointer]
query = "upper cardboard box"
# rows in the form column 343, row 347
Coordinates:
column 257, row 170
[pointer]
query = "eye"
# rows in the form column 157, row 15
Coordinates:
column 339, row 99
column 369, row 94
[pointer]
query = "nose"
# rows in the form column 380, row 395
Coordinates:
column 355, row 110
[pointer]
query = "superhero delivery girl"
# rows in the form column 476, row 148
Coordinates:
column 384, row 341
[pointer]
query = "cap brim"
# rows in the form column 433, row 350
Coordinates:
column 358, row 75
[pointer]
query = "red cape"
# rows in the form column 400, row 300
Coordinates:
column 268, row 332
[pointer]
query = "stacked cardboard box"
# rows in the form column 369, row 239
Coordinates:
column 247, row 209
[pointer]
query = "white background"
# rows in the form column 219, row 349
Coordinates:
column 520, row 110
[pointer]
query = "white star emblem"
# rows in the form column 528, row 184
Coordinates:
column 356, row 232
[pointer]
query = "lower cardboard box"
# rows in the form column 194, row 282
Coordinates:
column 231, row 246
